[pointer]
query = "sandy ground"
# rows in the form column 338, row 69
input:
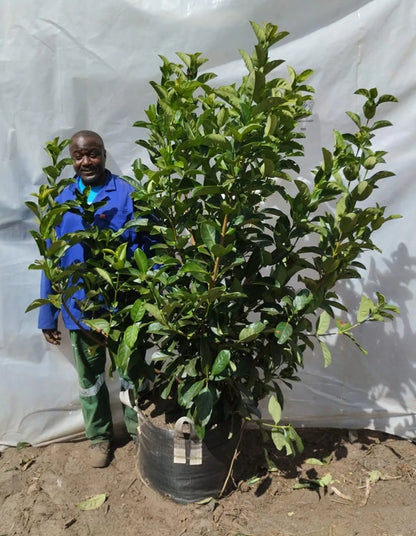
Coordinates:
column 370, row 490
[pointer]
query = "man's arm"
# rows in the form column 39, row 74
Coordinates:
column 48, row 314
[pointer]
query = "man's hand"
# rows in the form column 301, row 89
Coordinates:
column 53, row 336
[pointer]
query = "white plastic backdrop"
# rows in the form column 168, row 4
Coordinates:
column 72, row 65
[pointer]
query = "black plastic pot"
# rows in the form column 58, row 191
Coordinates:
column 179, row 465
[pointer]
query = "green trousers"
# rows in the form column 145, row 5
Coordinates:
column 90, row 361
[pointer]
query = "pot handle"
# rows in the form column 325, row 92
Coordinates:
column 185, row 427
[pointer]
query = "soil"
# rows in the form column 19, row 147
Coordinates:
column 370, row 491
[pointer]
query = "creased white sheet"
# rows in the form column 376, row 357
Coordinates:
column 72, row 65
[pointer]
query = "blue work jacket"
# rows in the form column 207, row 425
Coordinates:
column 114, row 214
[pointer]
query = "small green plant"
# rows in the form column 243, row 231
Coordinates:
column 243, row 280
column 48, row 214
column 314, row 483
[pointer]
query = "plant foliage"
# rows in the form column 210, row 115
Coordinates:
column 243, row 280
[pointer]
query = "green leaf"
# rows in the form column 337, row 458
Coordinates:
column 161, row 91
column 271, row 125
column 375, row 476
column 98, row 324
column 222, row 116
column 155, row 312
column 303, row 298
column 204, row 406
column 121, row 254
column 92, row 503
column 157, row 328
column 295, row 438
column 185, row 58
column 259, row 32
column 387, row 98
column 281, row 441
column 208, row 234
column 137, row 311
column 283, row 332
column 363, row 190
column 327, row 163
column 104, row 274
column 323, row 323
column 192, row 392
column 380, row 175
column 314, row 461
column 326, row 353
column 347, row 222
column 247, row 60
column 216, row 140
column 230, row 95
column 34, row 208
column 342, row 326
column 192, row 266
column 325, row 480
column 37, row 303
column 369, row 109
column 366, row 306
column 166, row 391
column 221, row 251
column 275, row 409
column 341, row 207
column 221, row 362
column 362, row 91
column 212, row 504
column 355, row 117
column 141, row 260
column 22, row 445
column 123, row 356
column 206, row 190
column 51, row 171
column 351, row 337
column 56, row 300
column 330, row 265
column 304, row 75
column 370, row 162
column 314, row 483
column 250, row 332
column 57, row 248
column 131, row 334
column 304, row 485
column 381, row 124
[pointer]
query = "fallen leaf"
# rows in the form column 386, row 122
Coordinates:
column 25, row 464
column 22, row 445
column 210, row 502
column 92, row 503
column 375, row 476
column 314, row 461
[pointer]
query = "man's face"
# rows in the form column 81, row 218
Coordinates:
column 88, row 155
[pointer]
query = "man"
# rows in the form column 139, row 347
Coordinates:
column 89, row 155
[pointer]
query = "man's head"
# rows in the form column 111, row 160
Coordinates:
column 88, row 154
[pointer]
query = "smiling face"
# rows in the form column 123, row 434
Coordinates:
column 88, row 154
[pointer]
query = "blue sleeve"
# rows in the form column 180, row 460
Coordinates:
column 48, row 314
column 142, row 240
